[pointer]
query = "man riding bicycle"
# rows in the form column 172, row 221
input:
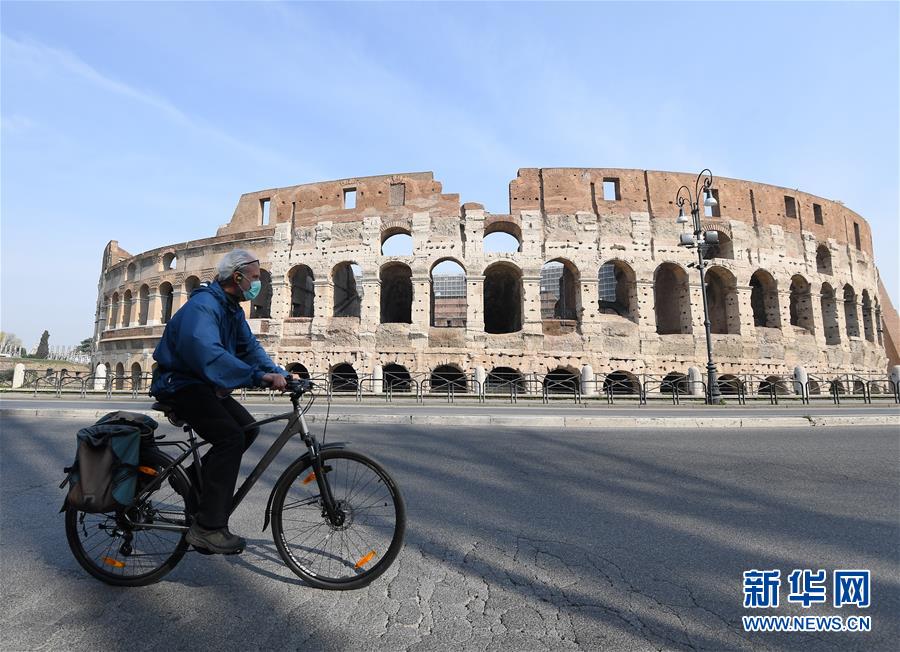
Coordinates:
column 206, row 351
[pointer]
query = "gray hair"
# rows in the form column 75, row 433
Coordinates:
column 232, row 262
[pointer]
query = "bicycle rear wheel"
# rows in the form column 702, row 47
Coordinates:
column 343, row 556
column 115, row 552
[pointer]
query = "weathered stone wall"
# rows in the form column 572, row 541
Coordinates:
column 557, row 214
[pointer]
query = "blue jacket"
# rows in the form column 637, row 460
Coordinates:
column 208, row 341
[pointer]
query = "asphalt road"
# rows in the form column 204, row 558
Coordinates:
column 519, row 539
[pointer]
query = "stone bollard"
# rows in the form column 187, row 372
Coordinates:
column 588, row 386
column 800, row 378
column 378, row 380
column 695, row 382
column 100, row 378
column 480, row 377
column 18, row 375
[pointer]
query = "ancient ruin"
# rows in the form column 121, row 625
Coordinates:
column 583, row 280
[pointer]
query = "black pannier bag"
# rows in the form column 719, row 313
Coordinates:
column 104, row 475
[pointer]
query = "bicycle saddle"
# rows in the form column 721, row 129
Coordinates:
column 169, row 411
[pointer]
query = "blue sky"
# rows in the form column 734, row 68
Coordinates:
column 145, row 122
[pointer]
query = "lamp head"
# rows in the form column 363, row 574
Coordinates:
column 710, row 200
column 682, row 218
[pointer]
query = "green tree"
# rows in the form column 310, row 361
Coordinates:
column 9, row 342
column 43, row 350
column 86, row 345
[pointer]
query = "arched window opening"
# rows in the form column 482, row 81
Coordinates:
column 850, row 312
column 813, row 387
column 561, row 381
column 672, row 299
column 774, row 384
column 502, row 298
column 559, row 291
column 503, row 380
column 828, row 304
column 126, row 309
column 721, row 296
column 299, row 369
column 169, row 261
column 396, row 378
column 764, row 300
column 729, row 385
column 868, row 330
column 166, row 293
column 344, row 378
column 137, row 376
column 120, row 376
column 447, row 377
column 396, row 244
column 617, row 289
column 347, row 279
column 303, row 291
column 823, row 260
column 261, row 306
column 113, row 320
column 396, row 294
column 191, row 283
column 675, row 381
column 724, row 248
column 621, row 382
column 801, row 303
column 144, row 305
column 501, row 243
column 131, row 272
column 448, row 295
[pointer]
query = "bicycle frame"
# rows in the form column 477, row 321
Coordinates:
column 296, row 425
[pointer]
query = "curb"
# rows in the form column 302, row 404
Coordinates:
column 606, row 423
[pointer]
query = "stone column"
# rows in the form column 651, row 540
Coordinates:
column 370, row 310
column 281, row 298
column 475, row 304
column 745, row 310
column 179, row 298
column 590, row 302
column 784, row 309
column 154, row 308
column 646, row 306
column 531, row 311
column 421, row 303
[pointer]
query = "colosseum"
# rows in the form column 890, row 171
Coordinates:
column 384, row 282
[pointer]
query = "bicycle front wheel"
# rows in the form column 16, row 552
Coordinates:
column 116, row 549
column 366, row 539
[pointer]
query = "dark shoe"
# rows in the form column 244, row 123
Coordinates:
column 219, row 541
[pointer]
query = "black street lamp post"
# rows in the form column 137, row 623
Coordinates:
column 702, row 241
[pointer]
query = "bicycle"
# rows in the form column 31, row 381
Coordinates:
column 338, row 519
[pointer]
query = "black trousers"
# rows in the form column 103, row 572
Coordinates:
column 220, row 421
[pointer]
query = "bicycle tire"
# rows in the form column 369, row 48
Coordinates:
column 103, row 547
column 374, row 527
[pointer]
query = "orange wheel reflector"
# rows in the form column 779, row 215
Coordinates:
column 148, row 470
column 365, row 560
column 310, row 478
column 115, row 563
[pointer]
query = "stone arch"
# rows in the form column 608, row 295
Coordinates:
column 166, row 294
column 672, row 299
column 764, row 300
column 868, row 330
column 828, row 304
column 143, row 304
column 850, row 313
column 191, row 283
column 502, row 380
column 127, row 308
column 722, row 301
column 299, row 369
column 131, row 271
column 729, row 385
column 120, row 376
column 801, row 303
column 169, row 261
column 724, row 248
column 303, row 291
column 502, row 237
column 502, row 298
column 343, row 378
column 621, row 382
column 775, row 384
column 823, row 260
column 675, row 381
column 396, row 293
column 449, row 303
column 396, row 378
column 261, row 306
column 396, row 241
column 446, row 377
column 617, row 289
column 560, row 290
column 562, row 380
column 137, row 376
column 346, row 277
